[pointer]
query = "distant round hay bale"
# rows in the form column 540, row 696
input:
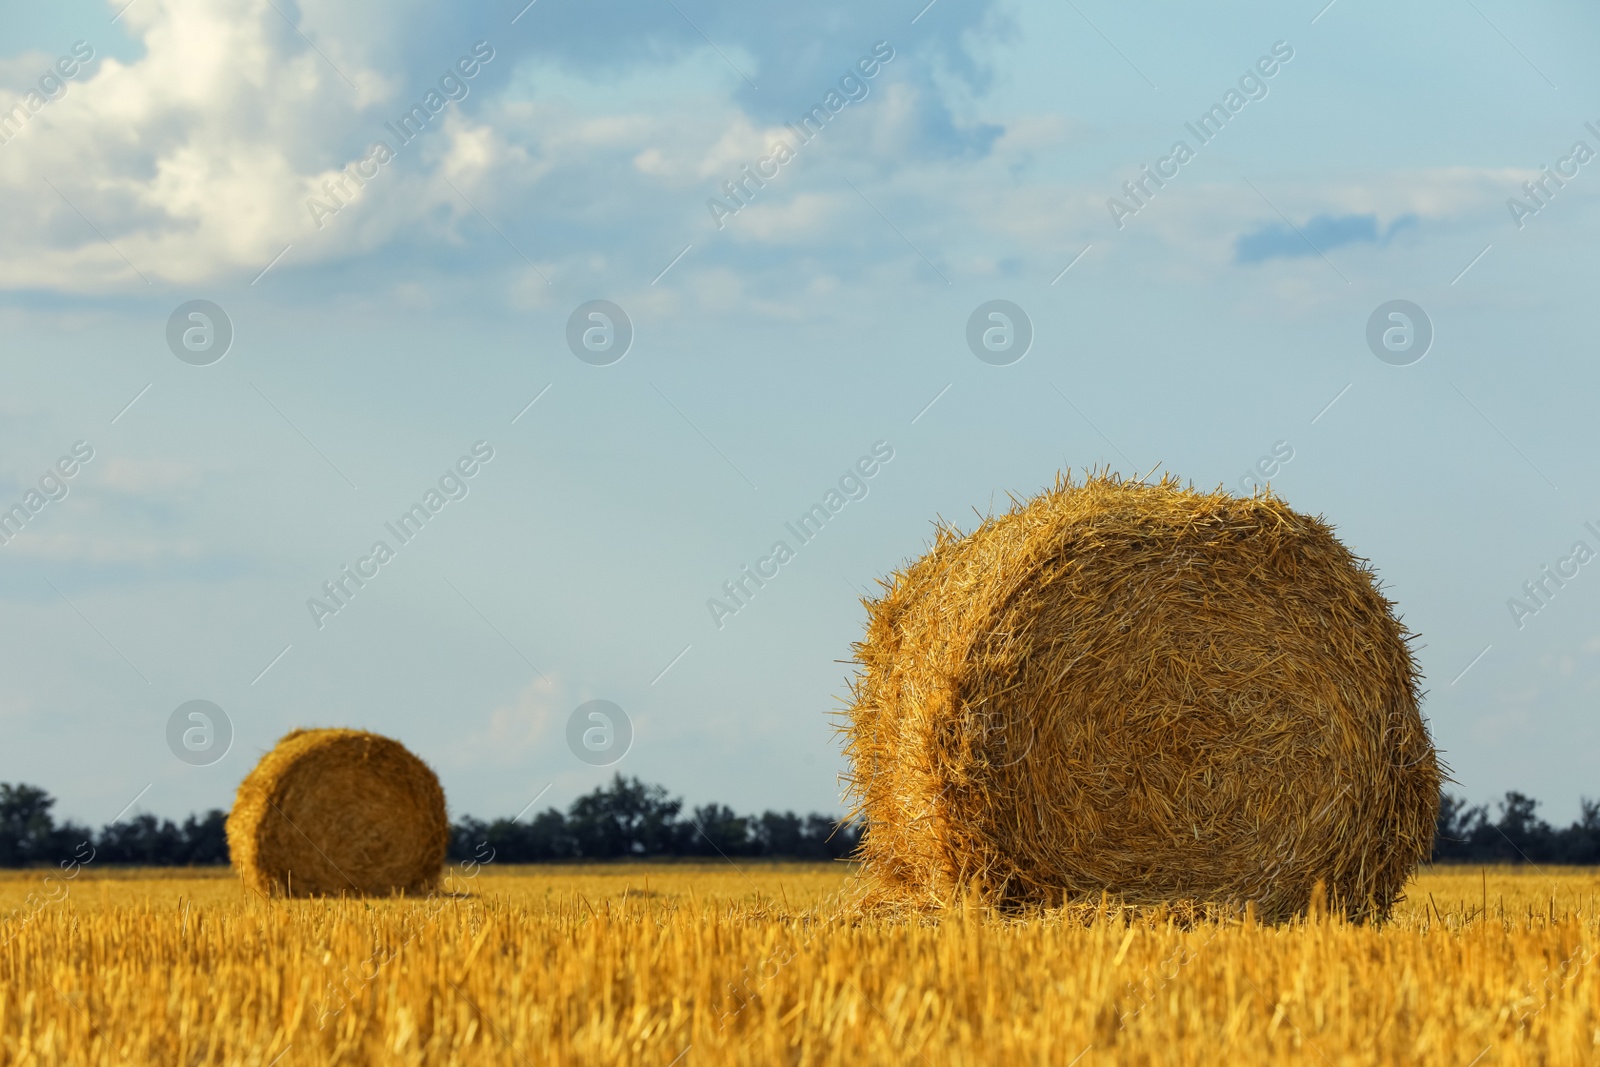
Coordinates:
column 338, row 812
column 1142, row 690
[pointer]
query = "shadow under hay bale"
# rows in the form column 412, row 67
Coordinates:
column 1140, row 690
column 338, row 812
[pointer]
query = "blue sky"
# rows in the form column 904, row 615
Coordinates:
column 1226, row 315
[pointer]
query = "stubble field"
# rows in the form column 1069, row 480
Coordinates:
column 684, row 964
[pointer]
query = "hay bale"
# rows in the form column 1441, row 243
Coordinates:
column 1143, row 690
column 338, row 813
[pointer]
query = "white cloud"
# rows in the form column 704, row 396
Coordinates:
column 146, row 477
column 513, row 731
column 195, row 160
column 198, row 160
column 804, row 217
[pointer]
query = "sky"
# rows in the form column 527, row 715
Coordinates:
column 388, row 303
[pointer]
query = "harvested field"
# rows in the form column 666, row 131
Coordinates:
column 711, row 964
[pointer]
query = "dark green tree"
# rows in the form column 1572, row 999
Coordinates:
column 627, row 818
column 716, row 831
column 26, row 826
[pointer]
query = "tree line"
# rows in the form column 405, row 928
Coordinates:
column 628, row 818
column 1465, row 834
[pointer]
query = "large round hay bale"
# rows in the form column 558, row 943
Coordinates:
column 1143, row 690
column 338, row 812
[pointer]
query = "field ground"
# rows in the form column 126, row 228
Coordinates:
column 687, row 964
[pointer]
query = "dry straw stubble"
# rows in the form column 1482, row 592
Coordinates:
column 338, row 812
column 1142, row 690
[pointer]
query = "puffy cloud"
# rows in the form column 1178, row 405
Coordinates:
column 513, row 731
column 231, row 136
column 146, row 477
column 185, row 160
column 200, row 157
